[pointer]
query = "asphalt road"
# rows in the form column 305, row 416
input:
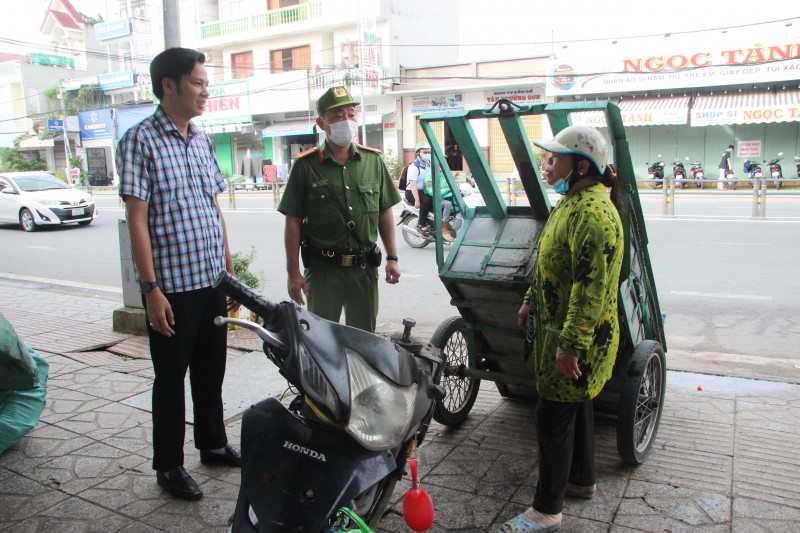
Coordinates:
column 726, row 282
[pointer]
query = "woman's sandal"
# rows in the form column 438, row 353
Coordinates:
column 521, row 524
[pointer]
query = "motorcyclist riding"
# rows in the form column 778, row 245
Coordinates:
column 415, row 188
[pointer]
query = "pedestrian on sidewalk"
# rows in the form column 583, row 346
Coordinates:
column 337, row 201
column 169, row 180
column 574, row 329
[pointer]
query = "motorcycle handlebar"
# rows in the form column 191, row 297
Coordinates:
column 246, row 296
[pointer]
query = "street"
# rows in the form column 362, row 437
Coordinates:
column 724, row 280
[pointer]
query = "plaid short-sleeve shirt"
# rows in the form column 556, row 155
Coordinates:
column 180, row 180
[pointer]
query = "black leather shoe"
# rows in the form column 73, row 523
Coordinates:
column 231, row 457
column 180, row 484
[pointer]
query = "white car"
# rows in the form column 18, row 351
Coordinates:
column 34, row 199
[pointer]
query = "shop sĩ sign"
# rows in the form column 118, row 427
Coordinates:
column 228, row 103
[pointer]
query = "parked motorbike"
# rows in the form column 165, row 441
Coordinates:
column 679, row 173
column 752, row 170
column 727, row 181
column 656, row 172
column 776, row 171
column 696, row 170
column 330, row 461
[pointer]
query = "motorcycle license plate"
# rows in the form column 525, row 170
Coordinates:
column 78, row 212
column 776, row 174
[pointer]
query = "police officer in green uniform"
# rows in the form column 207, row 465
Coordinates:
column 340, row 271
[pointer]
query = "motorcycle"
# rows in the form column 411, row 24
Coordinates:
column 727, row 181
column 752, row 170
column 679, row 173
column 410, row 215
column 698, row 175
column 330, row 461
column 776, row 171
column 656, row 172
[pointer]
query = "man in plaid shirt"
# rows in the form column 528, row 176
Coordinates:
column 170, row 180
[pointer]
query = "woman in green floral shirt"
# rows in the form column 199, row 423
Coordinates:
column 572, row 308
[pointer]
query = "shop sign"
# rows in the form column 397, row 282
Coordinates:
column 95, row 125
column 116, row 80
column 519, row 96
column 748, row 149
column 51, row 60
column 698, row 68
column 745, row 114
column 439, row 102
column 228, row 103
column 114, row 29
column 54, row 125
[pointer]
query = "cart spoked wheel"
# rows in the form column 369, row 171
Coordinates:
column 411, row 239
column 451, row 337
column 641, row 402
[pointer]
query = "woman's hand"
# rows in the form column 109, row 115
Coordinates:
column 522, row 316
column 567, row 365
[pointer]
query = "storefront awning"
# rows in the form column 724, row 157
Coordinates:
column 641, row 112
column 284, row 129
column 746, row 108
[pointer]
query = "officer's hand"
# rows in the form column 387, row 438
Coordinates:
column 522, row 317
column 297, row 287
column 392, row 272
column 567, row 365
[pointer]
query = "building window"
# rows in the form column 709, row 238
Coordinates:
column 351, row 53
column 277, row 4
column 290, row 59
column 242, row 65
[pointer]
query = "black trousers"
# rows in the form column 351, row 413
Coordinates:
column 201, row 347
column 565, row 431
column 425, row 205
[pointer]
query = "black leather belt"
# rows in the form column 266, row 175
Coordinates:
column 339, row 258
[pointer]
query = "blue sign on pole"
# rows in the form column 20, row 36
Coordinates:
column 105, row 31
column 55, row 125
column 116, row 80
column 95, row 124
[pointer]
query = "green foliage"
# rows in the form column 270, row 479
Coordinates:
column 241, row 268
column 12, row 161
column 393, row 165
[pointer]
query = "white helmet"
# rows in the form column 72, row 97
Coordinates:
column 580, row 140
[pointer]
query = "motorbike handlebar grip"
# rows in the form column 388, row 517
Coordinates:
column 246, row 296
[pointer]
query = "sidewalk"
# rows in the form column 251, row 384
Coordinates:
column 726, row 457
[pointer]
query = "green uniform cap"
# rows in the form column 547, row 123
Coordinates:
column 334, row 97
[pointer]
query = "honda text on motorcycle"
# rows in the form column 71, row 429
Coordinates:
column 330, row 461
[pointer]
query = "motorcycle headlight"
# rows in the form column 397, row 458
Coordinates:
column 314, row 383
column 380, row 411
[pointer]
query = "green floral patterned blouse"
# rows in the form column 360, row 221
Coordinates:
column 574, row 296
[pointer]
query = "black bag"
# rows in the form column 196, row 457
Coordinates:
column 375, row 257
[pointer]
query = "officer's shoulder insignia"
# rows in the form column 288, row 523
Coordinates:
column 368, row 148
column 305, row 152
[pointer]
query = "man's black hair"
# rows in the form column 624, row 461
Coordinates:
column 173, row 63
column 730, row 147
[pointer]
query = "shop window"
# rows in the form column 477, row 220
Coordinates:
column 290, row 59
column 242, row 65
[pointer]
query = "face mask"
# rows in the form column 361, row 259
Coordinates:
column 562, row 185
column 343, row 133
column 426, row 158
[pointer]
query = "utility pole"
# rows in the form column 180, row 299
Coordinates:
column 62, row 95
column 172, row 24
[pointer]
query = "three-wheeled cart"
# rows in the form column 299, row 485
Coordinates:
column 490, row 266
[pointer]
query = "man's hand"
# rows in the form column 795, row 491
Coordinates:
column 159, row 313
column 297, row 287
column 522, row 316
column 567, row 365
column 392, row 272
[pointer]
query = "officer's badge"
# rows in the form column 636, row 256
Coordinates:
column 339, row 92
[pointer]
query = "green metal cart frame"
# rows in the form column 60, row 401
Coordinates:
column 489, row 268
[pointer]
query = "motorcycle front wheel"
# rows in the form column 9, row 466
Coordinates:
column 411, row 239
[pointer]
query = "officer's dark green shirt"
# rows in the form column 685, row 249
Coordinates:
column 362, row 184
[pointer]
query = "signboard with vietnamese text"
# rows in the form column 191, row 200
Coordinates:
column 114, row 29
column 95, row 125
column 55, row 125
column 437, row 102
column 743, row 113
column 748, row 149
column 116, row 80
column 674, row 69
column 228, row 103
column 519, row 96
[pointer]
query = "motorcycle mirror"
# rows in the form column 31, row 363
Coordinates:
column 417, row 504
column 780, row 154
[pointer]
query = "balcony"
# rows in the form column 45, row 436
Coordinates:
column 350, row 78
column 314, row 15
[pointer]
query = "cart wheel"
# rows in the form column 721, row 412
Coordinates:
column 411, row 239
column 641, row 402
column 450, row 336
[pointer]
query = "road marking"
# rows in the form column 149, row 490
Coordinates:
column 737, row 243
column 65, row 283
column 722, row 295
column 41, row 247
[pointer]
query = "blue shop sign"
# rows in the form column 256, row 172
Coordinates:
column 95, row 124
column 116, row 80
column 55, row 125
column 114, row 29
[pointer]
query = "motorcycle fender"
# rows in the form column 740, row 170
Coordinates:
column 295, row 475
column 404, row 215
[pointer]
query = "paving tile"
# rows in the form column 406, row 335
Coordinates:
column 79, row 339
column 133, row 347
column 23, row 498
column 73, row 515
column 41, row 445
column 133, row 493
column 62, row 403
column 101, row 383
column 105, row 421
